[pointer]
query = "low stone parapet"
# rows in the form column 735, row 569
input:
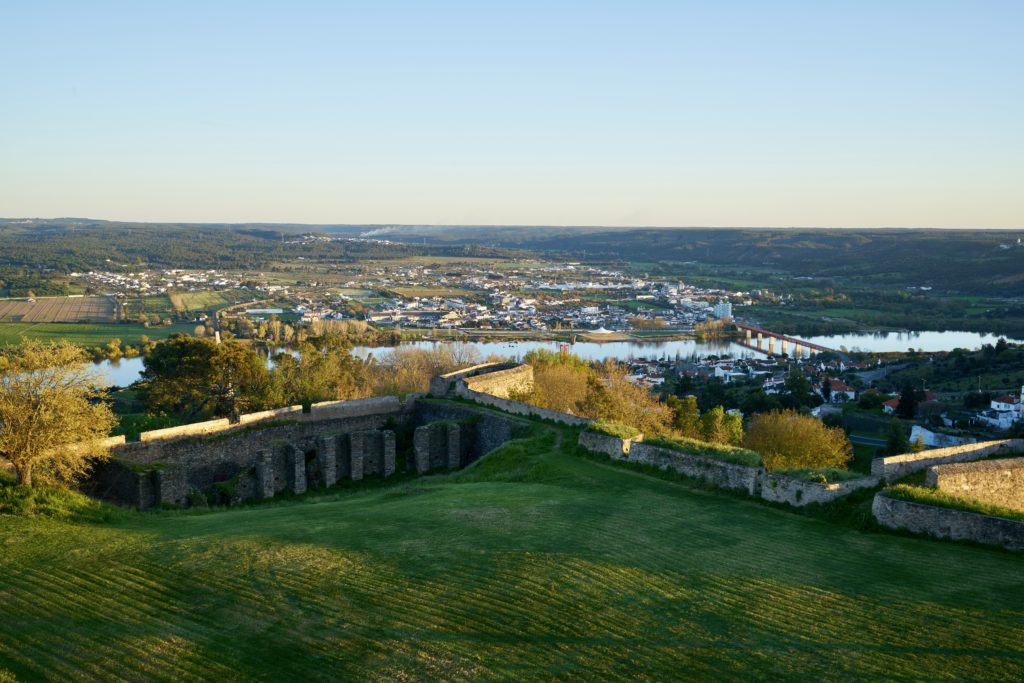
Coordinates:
column 997, row 482
column 941, row 522
column 605, row 444
column 519, row 408
column 782, row 488
column 723, row 474
column 194, row 429
column 895, row 466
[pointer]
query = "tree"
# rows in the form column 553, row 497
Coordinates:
column 896, row 441
column 685, row 416
column 797, row 387
column 787, row 439
column 193, row 376
column 712, row 426
column 908, row 402
column 826, row 390
column 51, row 415
column 326, row 371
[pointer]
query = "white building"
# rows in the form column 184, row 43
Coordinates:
column 1004, row 411
column 722, row 310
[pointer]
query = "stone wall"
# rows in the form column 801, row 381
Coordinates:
column 481, row 431
column 441, row 445
column 941, row 522
column 444, row 385
column 781, row 488
column 501, row 382
column 262, row 455
column 997, row 482
column 723, row 474
column 896, row 466
column 518, row 408
column 194, row 429
column 612, row 446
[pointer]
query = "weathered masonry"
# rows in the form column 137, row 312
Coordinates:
column 263, row 455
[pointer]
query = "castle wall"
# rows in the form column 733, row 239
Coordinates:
column 896, row 466
column 781, row 488
column 723, row 474
column 941, row 522
column 997, row 482
column 502, row 382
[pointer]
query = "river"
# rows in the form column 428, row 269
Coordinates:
column 127, row 370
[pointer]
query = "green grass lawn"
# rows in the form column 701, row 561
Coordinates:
column 86, row 334
column 533, row 564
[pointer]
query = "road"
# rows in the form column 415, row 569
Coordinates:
column 866, row 440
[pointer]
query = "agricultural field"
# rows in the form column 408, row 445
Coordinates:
column 58, row 309
column 86, row 334
column 427, row 292
column 535, row 563
column 192, row 303
column 159, row 305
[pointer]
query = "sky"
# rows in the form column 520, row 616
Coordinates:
column 789, row 113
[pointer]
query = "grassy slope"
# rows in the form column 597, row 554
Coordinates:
column 533, row 564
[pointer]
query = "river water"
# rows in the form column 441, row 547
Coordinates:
column 127, row 370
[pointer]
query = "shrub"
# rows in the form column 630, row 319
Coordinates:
column 789, row 440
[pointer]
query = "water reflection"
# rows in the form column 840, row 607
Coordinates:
column 127, row 370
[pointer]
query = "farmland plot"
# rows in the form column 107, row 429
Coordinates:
column 58, row 309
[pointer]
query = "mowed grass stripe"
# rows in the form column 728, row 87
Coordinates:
column 537, row 565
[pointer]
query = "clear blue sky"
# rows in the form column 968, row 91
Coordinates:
column 824, row 112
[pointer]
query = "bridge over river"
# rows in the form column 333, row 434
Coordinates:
column 800, row 347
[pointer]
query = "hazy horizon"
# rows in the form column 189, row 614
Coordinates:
column 648, row 114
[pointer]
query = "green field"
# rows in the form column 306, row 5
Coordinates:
column 209, row 301
column 533, row 564
column 86, row 334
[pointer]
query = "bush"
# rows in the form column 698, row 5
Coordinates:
column 730, row 454
column 789, row 440
column 616, row 429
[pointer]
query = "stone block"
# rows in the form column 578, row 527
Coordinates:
column 327, row 459
column 454, row 448
column 297, row 469
column 389, row 453
column 265, row 475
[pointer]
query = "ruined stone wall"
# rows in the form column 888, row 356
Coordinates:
column 444, row 385
column 723, row 474
column 997, row 482
column 781, row 488
column 262, row 455
column 612, row 446
column 940, row 522
column 441, row 446
column 518, row 408
column 501, row 382
column 896, row 466
column 481, row 431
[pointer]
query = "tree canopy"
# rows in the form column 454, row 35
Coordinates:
column 788, row 440
column 52, row 416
